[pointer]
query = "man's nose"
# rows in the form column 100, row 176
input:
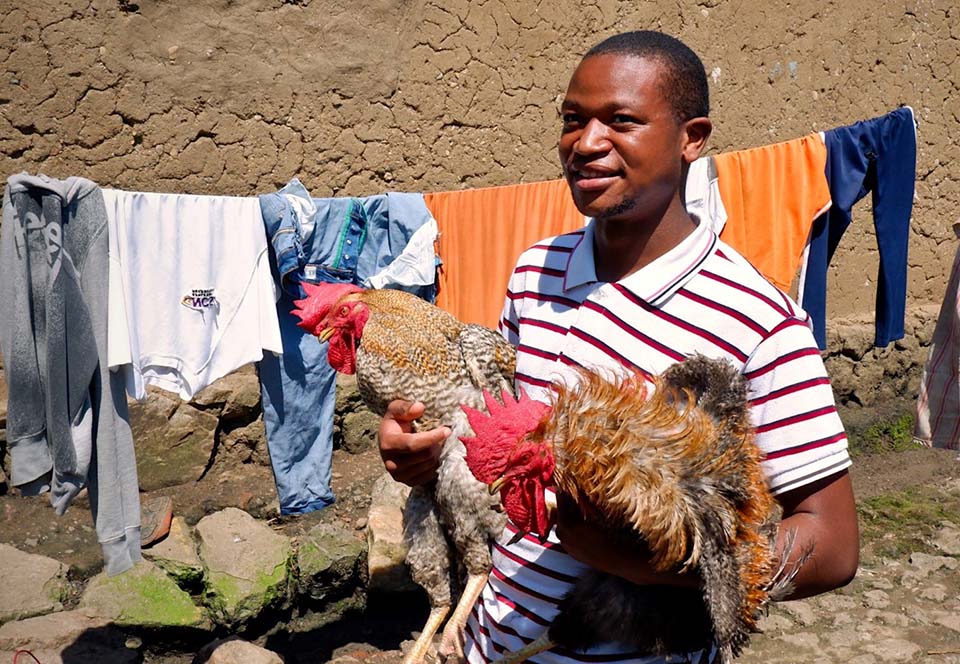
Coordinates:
column 593, row 138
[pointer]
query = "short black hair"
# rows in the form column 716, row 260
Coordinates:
column 684, row 81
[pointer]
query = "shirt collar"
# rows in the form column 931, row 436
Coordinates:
column 655, row 282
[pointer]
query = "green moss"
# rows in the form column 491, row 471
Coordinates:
column 148, row 597
column 57, row 589
column 312, row 560
column 894, row 435
column 232, row 600
column 895, row 524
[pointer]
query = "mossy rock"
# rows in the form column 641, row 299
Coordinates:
column 143, row 595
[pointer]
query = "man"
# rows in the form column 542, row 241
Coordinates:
column 645, row 286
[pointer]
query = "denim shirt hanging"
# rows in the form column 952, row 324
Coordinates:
column 345, row 240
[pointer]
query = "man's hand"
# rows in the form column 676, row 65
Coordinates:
column 587, row 540
column 411, row 458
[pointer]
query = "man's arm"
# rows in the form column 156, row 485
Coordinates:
column 821, row 519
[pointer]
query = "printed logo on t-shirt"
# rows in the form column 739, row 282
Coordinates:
column 200, row 299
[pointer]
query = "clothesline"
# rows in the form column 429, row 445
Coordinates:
column 177, row 290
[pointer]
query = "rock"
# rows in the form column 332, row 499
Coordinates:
column 774, row 623
column 881, row 583
column 236, row 651
column 948, row 540
column 805, row 640
column 247, row 565
column 950, row 621
column 172, row 446
column 68, row 637
column 893, row 650
column 924, row 563
column 863, row 659
column 143, row 596
column 348, row 394
column 246, row 444
column 842, row 638
column 359, row 431
column 799, row 610
column 237, row 395
column 876, row 599
column 355, row 426
column 386, row 550
column 934, row 592
column 834, row 603
column 32, row 584
column 330, row 559
column 177, row 555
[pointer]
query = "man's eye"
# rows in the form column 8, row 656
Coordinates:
column 622, row 119
column 570, row 119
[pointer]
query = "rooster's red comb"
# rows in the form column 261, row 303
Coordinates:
column 320, row 298
column 496, row 433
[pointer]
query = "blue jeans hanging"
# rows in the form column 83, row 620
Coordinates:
column 313, row 240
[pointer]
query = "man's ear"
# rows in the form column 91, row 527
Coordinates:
column 696, row 131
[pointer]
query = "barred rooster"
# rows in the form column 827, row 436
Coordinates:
column 678, row 472
column 401, row 347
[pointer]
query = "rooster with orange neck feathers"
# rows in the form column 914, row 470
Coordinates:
column 676, row 471
column 401, row 347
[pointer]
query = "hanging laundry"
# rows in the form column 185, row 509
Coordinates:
column 772, row 194
column 938, row 404
column 878, row 156
column 484, row 231
column 352, row 240
column 191, row 294
column 702, row 194
column 67, row 423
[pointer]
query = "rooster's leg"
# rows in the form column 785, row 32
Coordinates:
column 452, row 641
column 541, row 644
column 419, row 650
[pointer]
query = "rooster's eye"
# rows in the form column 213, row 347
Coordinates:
column 344, row 310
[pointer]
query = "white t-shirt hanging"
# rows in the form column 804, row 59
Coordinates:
column 191, row 294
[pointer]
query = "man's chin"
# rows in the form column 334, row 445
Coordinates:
column 607, row 212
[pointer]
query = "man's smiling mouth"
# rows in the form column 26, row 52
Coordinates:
column 588, row 178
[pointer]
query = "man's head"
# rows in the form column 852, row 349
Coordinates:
column 682, row 76
column 634, row 117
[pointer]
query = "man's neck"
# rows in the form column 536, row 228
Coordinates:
column 623, row 247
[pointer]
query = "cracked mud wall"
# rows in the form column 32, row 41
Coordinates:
column 231, row 97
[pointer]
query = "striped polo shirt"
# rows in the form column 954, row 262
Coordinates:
column 700, row 297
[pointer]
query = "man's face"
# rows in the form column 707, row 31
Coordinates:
column 620, row 147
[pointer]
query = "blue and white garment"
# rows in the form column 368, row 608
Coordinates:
column 346, row 240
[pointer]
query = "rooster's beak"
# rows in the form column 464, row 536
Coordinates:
column 325, row 334
column 495, row 485
column 550, row 501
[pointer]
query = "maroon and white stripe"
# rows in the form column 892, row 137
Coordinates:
column 701, row 297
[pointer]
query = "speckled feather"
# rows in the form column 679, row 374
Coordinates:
column 413, row 350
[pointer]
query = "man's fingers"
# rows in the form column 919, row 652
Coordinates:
column 413, row 443
column 404, row 411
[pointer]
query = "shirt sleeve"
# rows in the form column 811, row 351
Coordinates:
column 793, row 410
column 509, row 325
